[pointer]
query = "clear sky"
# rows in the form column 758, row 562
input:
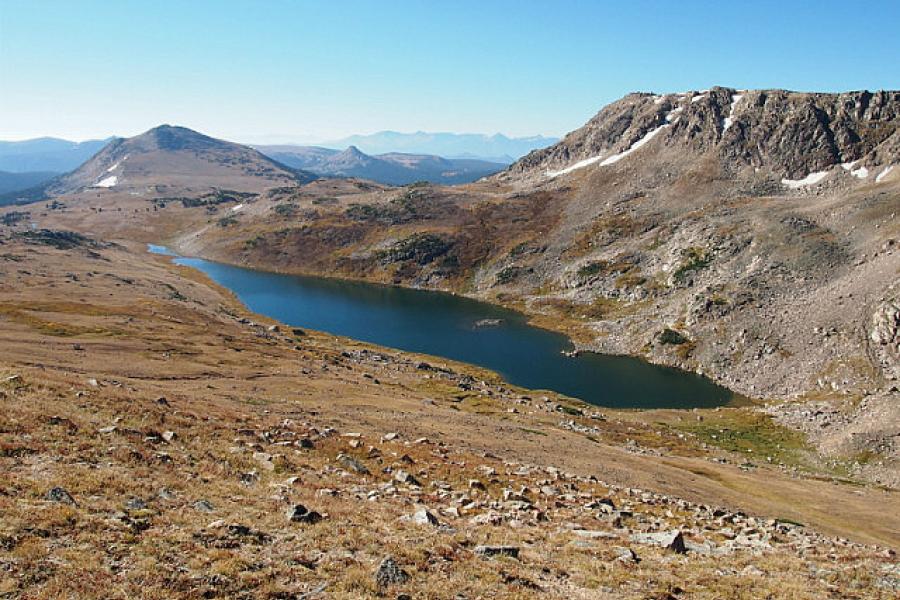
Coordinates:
column 266, row 70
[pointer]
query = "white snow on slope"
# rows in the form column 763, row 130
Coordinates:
column 579, row 165
column 729, row 120
column 811, row 179
column 237, row 208
column 610, row 160
column 670, row 119
column 107, row 182
column 884, row 174
column 861, row 172
column 116, row 166
column 614, row 158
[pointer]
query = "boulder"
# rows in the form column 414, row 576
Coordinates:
column 670, row 540
column 424, row 517
column 492, row 551
column 389, row 573
column 352, row 464
column 60, row 495
column 402, row 476
column 301, row 514
column 204, row 506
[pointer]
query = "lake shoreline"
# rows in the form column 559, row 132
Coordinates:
column 678, row 378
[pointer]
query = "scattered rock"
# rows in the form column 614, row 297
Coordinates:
column 402, row 476
column 301, row 514
column 491, row 551
column 626, row 555
column 671, row 540
column 389, row 573
column 204, row 506
column 424, row 517
column 58, row 494
column 135, row 504
column 352, row 464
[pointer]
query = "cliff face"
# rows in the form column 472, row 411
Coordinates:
column 789, row 133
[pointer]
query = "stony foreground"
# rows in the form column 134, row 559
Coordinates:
column 156, row 441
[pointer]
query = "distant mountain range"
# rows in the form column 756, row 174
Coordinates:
column 493, row 148
column 168, row 158
column 47, row 154
column 401, row 158
column 12, row 182
column 393, row 168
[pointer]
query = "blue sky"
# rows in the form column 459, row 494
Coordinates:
column 256, row 70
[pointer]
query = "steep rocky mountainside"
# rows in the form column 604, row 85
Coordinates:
column 790, row 134
column 174, row 158
column 392, row 169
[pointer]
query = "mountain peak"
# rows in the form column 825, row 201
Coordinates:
column 174, row 137
column 788, row 134
column 175, row 157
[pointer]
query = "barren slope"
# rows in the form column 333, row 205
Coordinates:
column 157, row 441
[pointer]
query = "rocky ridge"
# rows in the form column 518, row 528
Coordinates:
column 791, row 134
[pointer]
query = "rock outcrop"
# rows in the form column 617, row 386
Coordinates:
column 792, row 134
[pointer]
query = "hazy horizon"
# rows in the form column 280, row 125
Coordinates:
column 309, row 72
column 275, row 138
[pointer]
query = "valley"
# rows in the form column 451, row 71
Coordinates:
column 150, row 416
column 178, row 443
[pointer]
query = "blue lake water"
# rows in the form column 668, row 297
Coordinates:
column 446, row 325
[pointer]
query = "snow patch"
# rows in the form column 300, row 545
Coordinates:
column 729, row 120
column 671, row 117
column 611, row 160
column 116, row 166
column 579, row 165
column 861, row 172
column 237, row 208
column 108, row 182
column 811, row 179
column 884, row 174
